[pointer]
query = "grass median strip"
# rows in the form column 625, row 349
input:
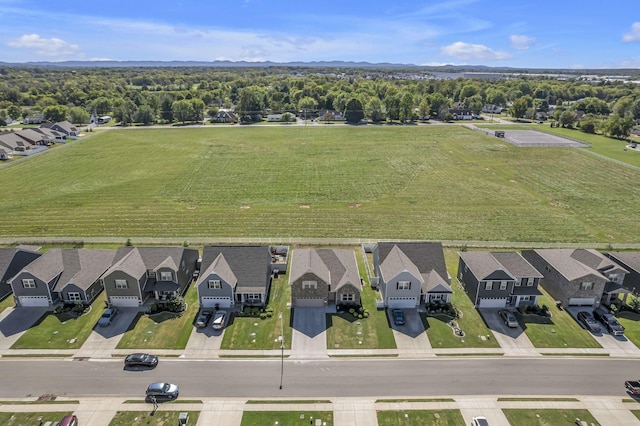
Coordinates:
column 420, row 418
column 158, row 418
column 536, row 417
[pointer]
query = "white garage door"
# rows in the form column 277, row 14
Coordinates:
column 582, row 301
column 30, row 301
column 402, row 302
column 211, row 302
column 492, row 303
column 125, row 301
column 302, row 302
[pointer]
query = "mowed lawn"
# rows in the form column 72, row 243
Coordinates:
column 420, row 418
column 417, row 182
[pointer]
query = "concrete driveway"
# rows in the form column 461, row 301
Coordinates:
column 309, row 339
column 206, row 340
column 615, row 345
column 513, row 341
column 15, row 321
column 105, row 339
column 411, row 338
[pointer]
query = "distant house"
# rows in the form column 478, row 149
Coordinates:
column 33, row 119
column 225, row 116
column 104, row 119
column 12, row 260
column 461, row 114
column 330, row 115
column 64, row 127
column 5, row 153
column 411, row 273
column 34, row 137
column 139, row 273
column 629, row 260
column 578, row 277
column 491, row 109
column 274, row 117
column 319, row 277
column 51, row 135
column 498, row 279
column 61, row 275
column 14, row 142
column 231, row 275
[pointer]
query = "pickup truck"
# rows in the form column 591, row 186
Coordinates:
column 633, row 387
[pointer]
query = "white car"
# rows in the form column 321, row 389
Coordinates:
column 218, row 320
column 479, row 421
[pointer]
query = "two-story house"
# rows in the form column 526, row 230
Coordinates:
column 630, row 261
column 498, row 279
column 321, row 276
column 411, row 273
column 578, row 277
column 12, row 260
column 139, row 273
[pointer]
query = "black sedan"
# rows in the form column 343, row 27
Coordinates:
column 143, row 360
column 587, row 319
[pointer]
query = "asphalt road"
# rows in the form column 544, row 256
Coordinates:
column 331, row 378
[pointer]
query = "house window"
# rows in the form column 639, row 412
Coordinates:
column 520, row 282
column 347, row 297
column 28, row 283
column 122, row 284
column 74, row 296
column 403, row 285
column 465, row 269
column 586, row 285
column 525, row 298
column 253, row 296
column 488, row 285
column 614, row 278
column 214, row 284
column 308, row 285
column 166, row 276
column 530, row 282
column 503, row 285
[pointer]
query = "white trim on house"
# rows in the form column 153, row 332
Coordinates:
column 499, row 302
column 33, row 301
column 212, row 301
column 402, row 302
column 125, row 301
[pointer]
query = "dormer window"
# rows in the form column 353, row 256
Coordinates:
column 166, row 276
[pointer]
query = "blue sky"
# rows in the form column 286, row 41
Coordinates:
column 527, row 34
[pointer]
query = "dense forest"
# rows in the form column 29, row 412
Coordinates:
column 164, row 95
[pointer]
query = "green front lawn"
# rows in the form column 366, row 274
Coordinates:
column 144, row 418
column 344, row 331
column 476, row 332
column 20, row 419
column 559, row 331
column 7, row 302
column 61, row 331
column 543, row 417
column 169, row 332
column 254, row 333
column 631, row 323
column 285, row 418
column 420, row 418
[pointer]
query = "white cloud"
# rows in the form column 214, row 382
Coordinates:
column 51, row 47
column 633, row 35
column 473, row 52
column 521, row 42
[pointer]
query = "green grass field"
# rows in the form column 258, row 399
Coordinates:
column 285, row 418
column 420, row 418
column 540, row 417
column 419, row 182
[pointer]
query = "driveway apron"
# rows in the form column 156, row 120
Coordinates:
column 309, row 339
column 411, row 338
column 102, row 340
column 15, row 321
column 513, row 341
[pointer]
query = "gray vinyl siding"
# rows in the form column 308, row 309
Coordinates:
column 42, row 288
column 225, row 289
column 187, row 268
column 20, row 259
column 391, row 287
column 110, row 285
column 87, row 295
column 468, row 280
column 496, row 278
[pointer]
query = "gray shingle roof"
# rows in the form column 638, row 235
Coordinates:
column 516, row 264
column 337, row 267
column 425, row 255
column 563, row 262
column 629, row 258
column 248, row 266
column 308, row 260
column 483, row 264
column 135, row 261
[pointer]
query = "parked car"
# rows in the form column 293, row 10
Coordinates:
column 509, row 318
column 609, row 321
column 107, row 316
column 632, row 386
column 203, row 319
column 163, row 390
column 398, row 317
column 479, row 421
column 140, row 359
column 218, row 320
column 587, row 319
column 70, row 420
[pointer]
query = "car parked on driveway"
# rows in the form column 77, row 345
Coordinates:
column 509, row 318
column 479, row 421
column 107, row 316
column 140, row 359
column 609, row 321
column 163, row 390
column 218, row 320
column 398, row 316
column 588, row 320
column 203, row 319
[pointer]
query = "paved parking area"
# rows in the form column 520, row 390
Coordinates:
column 411, row 338
column 309, row 337
column 513, row 341
column 206, row 340
column 615, row 345
column 105, row 339
column 15, row 321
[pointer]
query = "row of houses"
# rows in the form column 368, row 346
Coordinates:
column 407, row 274
column 32, row 140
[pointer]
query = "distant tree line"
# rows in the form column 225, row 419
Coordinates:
column 188, row 94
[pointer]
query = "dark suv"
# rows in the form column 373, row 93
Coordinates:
column 609, row 321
